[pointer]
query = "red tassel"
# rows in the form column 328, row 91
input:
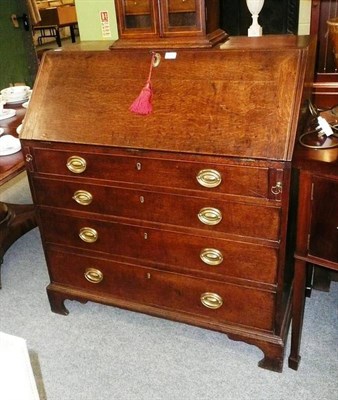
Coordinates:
column 143, row 103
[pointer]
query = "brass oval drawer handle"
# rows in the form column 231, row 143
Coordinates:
column 211, row 300
column 93, row 275
column 210, row 216
column 211, row 256
column 209, row 178
column 76, row 164
column 83, row 197
column 88, row 235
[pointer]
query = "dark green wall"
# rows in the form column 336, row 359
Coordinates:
column 18, row 62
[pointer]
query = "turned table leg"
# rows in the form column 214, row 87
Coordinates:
column 15, row 221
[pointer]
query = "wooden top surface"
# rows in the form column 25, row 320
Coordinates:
column 240, row 101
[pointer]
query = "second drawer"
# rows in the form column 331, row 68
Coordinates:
column 258, row 220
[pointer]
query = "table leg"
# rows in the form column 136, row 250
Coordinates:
column 15, row 221
column 298, row 304
column 72, row 33
column 58, row 37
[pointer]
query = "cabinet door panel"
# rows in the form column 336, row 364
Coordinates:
column 136, row 16
column 324, row 220
column 181, row 15
column 182, row 12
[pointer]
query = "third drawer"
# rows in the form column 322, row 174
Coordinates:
column 208, row 256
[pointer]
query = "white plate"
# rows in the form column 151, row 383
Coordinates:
column 16, row 101
column 9, row 145
column 7, row 113
column 25, row 104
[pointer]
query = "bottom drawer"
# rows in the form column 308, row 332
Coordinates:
column 209, row 299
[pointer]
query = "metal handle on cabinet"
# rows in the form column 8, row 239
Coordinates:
column 211, row 300
column 93, row 275
column 277, row 189
column 76, row 164
column 83, row 197
column 209, row 178
column 88, row 235
column 210, row 216
column 211, row 256
column 29, row 157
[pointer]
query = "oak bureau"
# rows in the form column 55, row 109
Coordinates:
column 182, row 213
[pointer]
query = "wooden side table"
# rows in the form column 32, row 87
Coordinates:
column 12, row 165
column 15, row 219
column 317, row 227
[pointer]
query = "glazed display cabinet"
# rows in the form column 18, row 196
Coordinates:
column 168, row 23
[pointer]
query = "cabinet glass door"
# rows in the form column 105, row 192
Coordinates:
column 181, row 15
column 139, row 15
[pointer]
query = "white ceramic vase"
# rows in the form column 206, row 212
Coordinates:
column 255, row 7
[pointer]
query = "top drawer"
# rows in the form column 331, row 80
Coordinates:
column 209, row 174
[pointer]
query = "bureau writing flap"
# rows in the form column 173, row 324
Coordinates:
column 236, row 102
